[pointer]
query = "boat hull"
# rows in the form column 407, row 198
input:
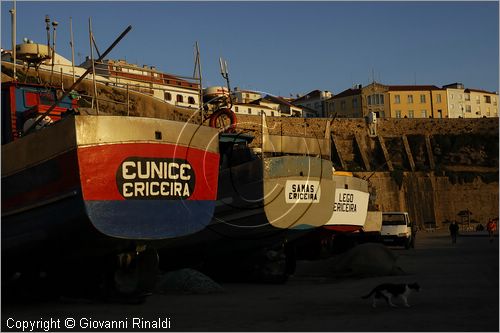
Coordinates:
column 254, row 210
column 103, row 183
column 351, row 204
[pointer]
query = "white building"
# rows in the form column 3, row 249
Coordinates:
column 148, row 80
column 316, row 101
column 470, row 103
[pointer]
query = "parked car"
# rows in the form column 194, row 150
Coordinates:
column 396, row 229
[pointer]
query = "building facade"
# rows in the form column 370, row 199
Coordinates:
column 316, row 101
column 375, row 98
column 347, row 104
column 470, row 103
column 148, row 80
column 417, row 101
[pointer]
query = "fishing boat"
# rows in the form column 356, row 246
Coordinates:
column 341, row 231
column 96, row 191
column 268, row 196
column 351, row 203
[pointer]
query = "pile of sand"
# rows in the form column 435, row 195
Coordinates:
column 187, row 281
column 368, row 259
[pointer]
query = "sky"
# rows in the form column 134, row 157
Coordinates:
column 283, row 48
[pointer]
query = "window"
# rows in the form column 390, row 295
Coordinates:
column 410, row 99
column 438, row 98
column 467, row 97
column 398, row 113
column 355, row 103
column 342, row 105
column 468, row 109
column 236, row 109
column 423, row 113
column 378, row 99
column 167, row 96
column 411, row 114
column 272, row 113
column 180, row 99
column 190, row 100
column 249, row 111
column 477, row 100
column 487, row 99
column 397, row 99
column 422, row 98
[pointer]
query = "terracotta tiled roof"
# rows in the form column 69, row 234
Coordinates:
column 468, row 90
column 414, row 87
column 277, row 100
column 313, row 94
column 348, row 92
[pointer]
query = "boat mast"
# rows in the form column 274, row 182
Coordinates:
column 54, row 25
column 72, row 47
column 13, row 16
column 93, row 65
column 197, row 66
column 80, row 79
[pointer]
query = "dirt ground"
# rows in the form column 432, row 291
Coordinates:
column 459, row 293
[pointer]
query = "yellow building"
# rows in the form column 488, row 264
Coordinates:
column 376, row 99
column 390, row 101
column 417, row 101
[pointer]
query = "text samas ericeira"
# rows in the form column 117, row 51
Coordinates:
column 345, row 203
column 303, row 192
column 155, row 178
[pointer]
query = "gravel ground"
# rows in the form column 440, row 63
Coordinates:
column 459, row 293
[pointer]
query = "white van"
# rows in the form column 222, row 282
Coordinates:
column 396, row 229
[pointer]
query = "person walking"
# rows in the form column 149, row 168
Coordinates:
column 453, row 232
column 491, row 227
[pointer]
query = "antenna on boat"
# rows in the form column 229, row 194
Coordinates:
column 13, row 16
column 80, row 79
